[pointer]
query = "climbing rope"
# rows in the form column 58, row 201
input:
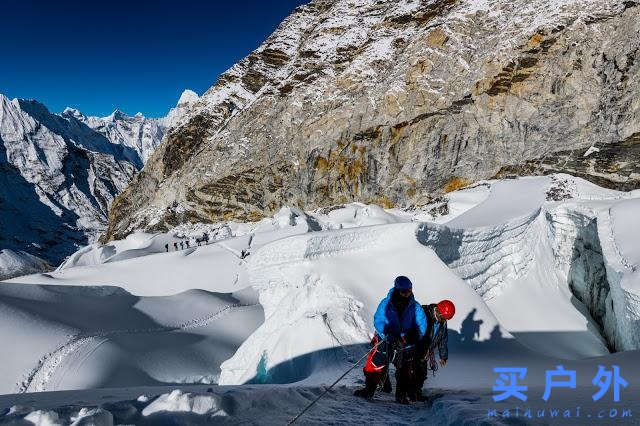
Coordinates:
column 334, row 383
column 343, row 375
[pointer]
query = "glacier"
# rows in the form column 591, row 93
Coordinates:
column 546, row 265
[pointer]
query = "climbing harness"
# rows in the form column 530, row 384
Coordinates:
column 343, row 375
column 334, row 383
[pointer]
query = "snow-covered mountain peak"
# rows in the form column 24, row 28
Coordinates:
column 178, row 114
column 58, row 179
column 116, row 115
column 4, row 104
column 72, row 112
column 187, row 97
column 32, row 107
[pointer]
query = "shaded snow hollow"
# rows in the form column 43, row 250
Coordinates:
column 542, row 270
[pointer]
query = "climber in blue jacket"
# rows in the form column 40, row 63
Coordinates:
column 399, row 322
column 398, row 314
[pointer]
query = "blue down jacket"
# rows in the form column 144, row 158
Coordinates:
column 390, row 326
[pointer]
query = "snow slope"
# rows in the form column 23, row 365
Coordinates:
column 20, row 263
column 288, row 221
column 81, row 337
column 534, row 268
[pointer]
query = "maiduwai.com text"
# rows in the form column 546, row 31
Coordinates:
column 561, row 412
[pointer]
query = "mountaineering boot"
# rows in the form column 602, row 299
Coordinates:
column 417, row 397
column 386, row 386
column 401, row 396
column 402, row 399
column 368, row 390
column 363, row 393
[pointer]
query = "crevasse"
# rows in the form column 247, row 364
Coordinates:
column 492, row 259
column 573, row 232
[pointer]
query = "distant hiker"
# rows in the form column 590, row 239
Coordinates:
column 187, row 242
column 244, row 254
column 436, row 337
column 181, row 245
column 166, row 247
column 175, row 246
column 399, row 322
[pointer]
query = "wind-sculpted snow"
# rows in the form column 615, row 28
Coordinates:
column 96, row 339
column 549, row 281
column 277, row 405
column 135, row 245
column 326, row 283
column 486, row 258
column 545, row 264
column 286, row 222
column 38, row 379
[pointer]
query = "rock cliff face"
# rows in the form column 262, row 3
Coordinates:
column 394, row 101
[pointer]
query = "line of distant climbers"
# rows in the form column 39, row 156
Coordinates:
column 204, row 239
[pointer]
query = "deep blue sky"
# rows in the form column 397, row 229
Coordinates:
column 134, row 56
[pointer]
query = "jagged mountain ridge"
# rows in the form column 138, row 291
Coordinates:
column 138, row 135
column 393, row 101
column 60, row 173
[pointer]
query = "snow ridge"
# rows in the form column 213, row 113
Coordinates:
column 290, row 299
column 13, row 264
column 487, row 258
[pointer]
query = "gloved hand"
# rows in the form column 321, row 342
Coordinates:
column 374, row 340
column 443, row 362
column 402, row 342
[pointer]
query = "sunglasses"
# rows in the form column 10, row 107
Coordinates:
column 405, row 293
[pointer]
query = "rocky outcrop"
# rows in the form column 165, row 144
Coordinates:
column 391, row 102
column 612, row 165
